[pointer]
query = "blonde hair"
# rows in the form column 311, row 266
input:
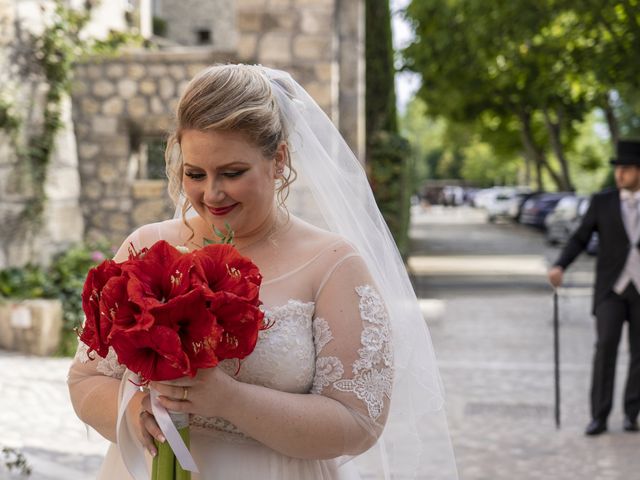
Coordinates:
column 229, row 98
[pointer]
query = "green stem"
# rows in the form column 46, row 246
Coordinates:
column 166, row 462
column 182, row 474
column 154, row 463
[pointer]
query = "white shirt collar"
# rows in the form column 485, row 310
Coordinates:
column 626, row 195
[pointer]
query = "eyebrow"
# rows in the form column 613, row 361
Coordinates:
column 235, row 163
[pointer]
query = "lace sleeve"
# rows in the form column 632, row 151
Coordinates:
column 93, row 388
column 354, row 359
column 108, row 366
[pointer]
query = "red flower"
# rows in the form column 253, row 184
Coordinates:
column 154, row 354
column 156, row 275
column 167, row 314
column 118, row 310
column 226, row 270
column 96, row 329
column 195, row 324
column 241, row 322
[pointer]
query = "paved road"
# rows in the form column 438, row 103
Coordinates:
column 489, row 311
column 493, row 338
column 36, row 417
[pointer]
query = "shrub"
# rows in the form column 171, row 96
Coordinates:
column 63, row 279
column 389, row 164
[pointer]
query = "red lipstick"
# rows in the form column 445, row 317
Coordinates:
column 218, row 212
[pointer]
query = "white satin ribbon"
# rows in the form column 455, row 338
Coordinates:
column 131, row 450
column 182, row 453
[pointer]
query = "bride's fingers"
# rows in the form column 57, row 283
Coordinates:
column 150, row 431
column 172, row 391
column 173, row 405
column 178, row 382
column 146, row 403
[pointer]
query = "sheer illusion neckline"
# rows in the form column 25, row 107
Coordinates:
column 292, row 302
column 299, row 267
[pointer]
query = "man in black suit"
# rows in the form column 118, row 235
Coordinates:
column 615, row 215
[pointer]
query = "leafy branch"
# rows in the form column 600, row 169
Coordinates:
column 15, row 460
column 223, row 238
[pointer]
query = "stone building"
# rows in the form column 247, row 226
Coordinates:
column 122, row 107
column 196, row 22
column 22, row 89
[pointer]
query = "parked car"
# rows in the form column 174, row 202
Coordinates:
column 452, row 195
column 565, row 218
column 483, row 196
column 470, row 194
column 592, row 247
column 538, row 206
column 498, row 201
column 497, row 206
column 517, row 202
column 501, row 205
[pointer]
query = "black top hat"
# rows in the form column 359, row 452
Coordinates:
column 628, row 153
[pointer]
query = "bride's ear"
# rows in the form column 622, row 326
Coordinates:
column 280, row 159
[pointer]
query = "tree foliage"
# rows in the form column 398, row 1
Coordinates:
column 388, row 154
column 380, row 105
column 526, row 74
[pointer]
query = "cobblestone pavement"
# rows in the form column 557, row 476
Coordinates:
column 492, row 330
column 36, row 417
column 494, row 341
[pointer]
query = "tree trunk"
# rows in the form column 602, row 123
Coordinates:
column 527, row 169
column 555, row 129
column 535, row 153
column 612, row 121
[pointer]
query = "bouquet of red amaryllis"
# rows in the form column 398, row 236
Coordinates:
column 167, row 314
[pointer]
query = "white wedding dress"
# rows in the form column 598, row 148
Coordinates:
column 330, row 336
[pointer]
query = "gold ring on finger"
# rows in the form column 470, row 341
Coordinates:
column 185, row 393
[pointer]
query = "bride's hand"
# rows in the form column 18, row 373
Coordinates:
column 203, row 395
column 148, row 428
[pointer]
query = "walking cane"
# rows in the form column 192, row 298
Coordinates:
column 556, row 355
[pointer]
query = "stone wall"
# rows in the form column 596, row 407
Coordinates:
column 186, row 17
column 113, row 100
column 21, row 239
column 23, row 86
column 9, row 199
column 321, row 43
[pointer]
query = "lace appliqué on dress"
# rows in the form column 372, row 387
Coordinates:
column 321, row 334
column 373, row 371
column 108, row 366
column 328, row 370
column 283, row 359
column 219, row 427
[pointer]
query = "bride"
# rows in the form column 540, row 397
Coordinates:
column 322, row 382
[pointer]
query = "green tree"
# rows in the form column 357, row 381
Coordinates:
column 425, row 135
column 446, row 150
column 380, row 105
column 526, row 69
column 388, row 154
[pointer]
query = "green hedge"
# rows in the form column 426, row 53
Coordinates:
column 62, row 279
column 389, row 174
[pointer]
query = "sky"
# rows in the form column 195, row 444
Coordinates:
column 406, row 83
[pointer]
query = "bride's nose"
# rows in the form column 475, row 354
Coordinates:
column 214, row 194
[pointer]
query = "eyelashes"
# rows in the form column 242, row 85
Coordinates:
column 233, row 174
column 200, row 176
column 194, row 176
